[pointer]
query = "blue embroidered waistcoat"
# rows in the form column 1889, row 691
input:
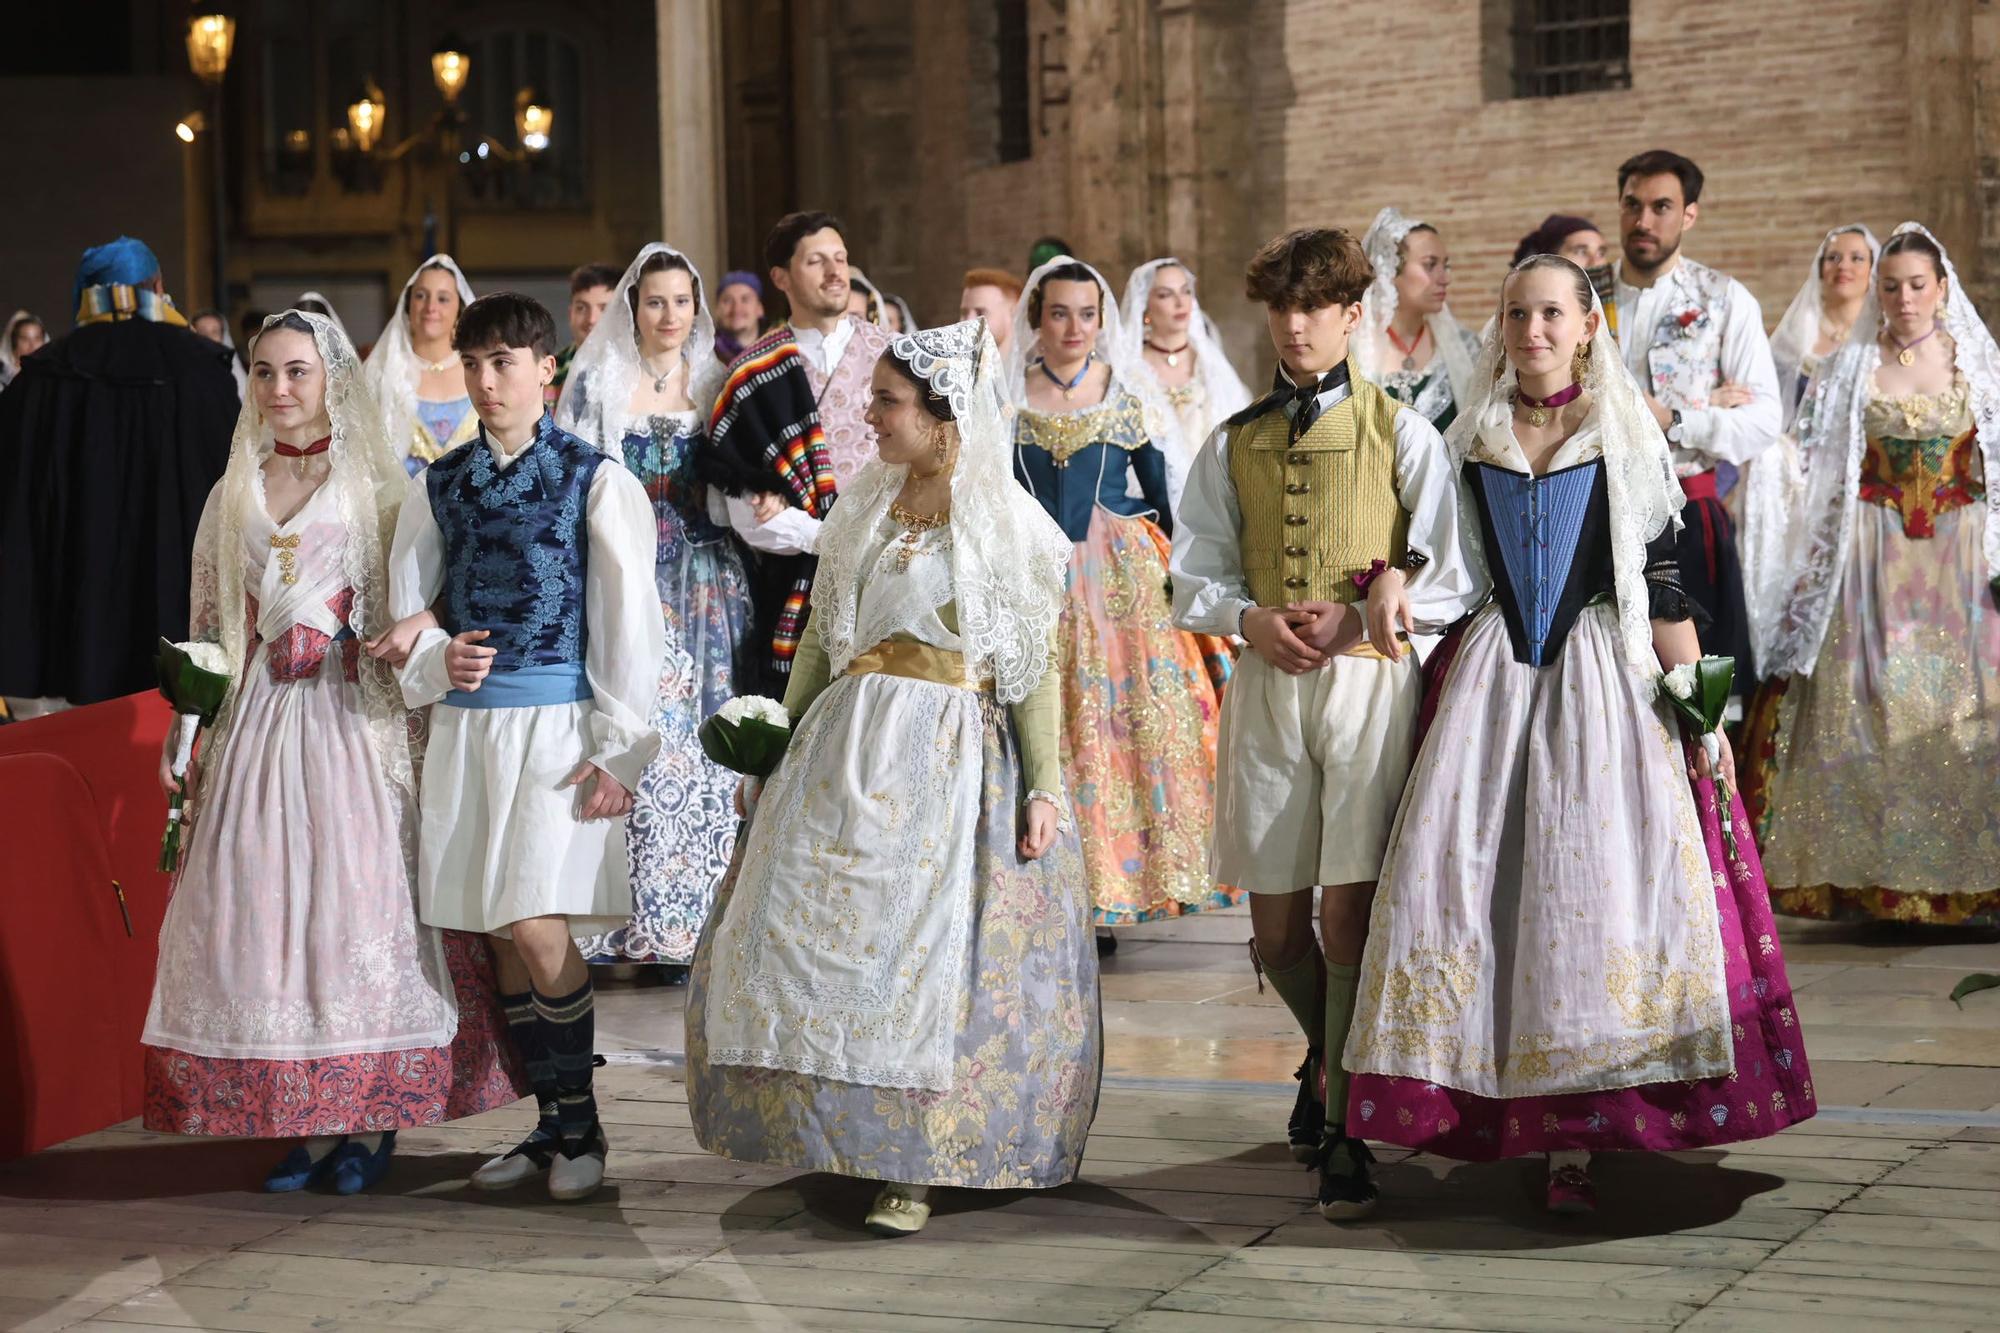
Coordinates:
column 516, row 545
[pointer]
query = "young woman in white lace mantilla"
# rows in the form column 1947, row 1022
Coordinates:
column 640, row 389
column 297, row 993
column 1889, row 641
column 1771, row 490
column 1180, row 350
column 1563, row 958
column 415, row 375
column 898, row 981
column 1409, row 342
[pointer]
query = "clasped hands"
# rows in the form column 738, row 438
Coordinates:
column 1301, row 636
column 466, row 666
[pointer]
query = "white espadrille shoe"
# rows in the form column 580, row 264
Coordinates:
column 900, row 1210
column 573, row 1179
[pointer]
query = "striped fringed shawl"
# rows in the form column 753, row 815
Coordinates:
column 764, row 436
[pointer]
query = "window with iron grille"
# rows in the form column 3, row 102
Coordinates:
column 1571, row 46
column 1015, row 142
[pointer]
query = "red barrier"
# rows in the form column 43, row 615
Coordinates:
column 80, row 807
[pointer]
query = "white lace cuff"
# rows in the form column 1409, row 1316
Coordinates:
column 1054, row 799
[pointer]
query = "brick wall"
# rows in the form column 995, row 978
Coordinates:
column 1803, row 114
column 1796, row 110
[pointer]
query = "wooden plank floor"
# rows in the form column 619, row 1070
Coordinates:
column 1190, row 1217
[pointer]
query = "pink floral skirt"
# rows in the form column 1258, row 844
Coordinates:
column 361, row 1093
column 1770, row 1089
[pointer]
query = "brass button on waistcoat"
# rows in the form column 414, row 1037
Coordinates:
column 1299, row 457
column 1296, row 552
column 1296, row 520
column 1298, row 487
column 1295, row 583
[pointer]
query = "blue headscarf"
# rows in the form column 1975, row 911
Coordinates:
column 125, row 262
column 737, row 276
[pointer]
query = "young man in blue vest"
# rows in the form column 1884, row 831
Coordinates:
column 535, row 554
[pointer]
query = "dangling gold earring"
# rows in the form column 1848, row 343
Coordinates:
column 1579, row 363
column 941, row 444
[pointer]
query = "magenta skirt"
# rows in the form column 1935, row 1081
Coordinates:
column 1771, row 1088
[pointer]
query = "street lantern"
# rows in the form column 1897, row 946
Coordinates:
column 451, row 64
column 533, row 120
column 211, row 35
column 365, row 118
column 210, row 38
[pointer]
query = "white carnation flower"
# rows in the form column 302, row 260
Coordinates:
column 1680, row 681
column 209, row 657
column 745, row 707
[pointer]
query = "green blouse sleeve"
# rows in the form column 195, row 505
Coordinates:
column 811, row 671
column 1036, row 723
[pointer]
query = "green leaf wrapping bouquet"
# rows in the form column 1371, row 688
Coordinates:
column 194, row 680
column 1699, row 692
column 747, row 735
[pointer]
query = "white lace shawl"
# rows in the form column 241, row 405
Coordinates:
column 1115, row 348
column 393, row 371
column 1833, row 441
column 1227, row 393
column 1643, row 493
column 1383, row 244
column 368, row 485
column 596, row 402
column 1009, row 560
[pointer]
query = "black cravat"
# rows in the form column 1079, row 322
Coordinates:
column 1306, row 399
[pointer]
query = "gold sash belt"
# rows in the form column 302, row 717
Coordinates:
column 915, row 661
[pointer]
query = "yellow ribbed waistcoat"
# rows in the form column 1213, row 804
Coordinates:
column 1320, row 509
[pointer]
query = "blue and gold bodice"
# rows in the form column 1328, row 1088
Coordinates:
column 1074, row 462
column 516, row 545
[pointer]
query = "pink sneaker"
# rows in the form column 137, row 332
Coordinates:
column 1570, row 1191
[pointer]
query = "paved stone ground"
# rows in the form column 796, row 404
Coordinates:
column 1882, row 1212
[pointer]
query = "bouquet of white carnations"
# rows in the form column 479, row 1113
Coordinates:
column 195, row 680
column 1699, row 692
column 748, row 735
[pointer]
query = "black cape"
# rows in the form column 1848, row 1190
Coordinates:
column 110, row 440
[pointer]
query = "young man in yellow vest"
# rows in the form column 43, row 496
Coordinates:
column 1318, row 524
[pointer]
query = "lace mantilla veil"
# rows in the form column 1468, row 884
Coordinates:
column 1793, row 338
column 332, row 313
column 368, row 484
column 1640, row 485
column 1832, row 441
column 393, row 369
column 1009, row 560
column 1382, row 243
column 1227, row 393
column 596, row 398
column 1115, row 348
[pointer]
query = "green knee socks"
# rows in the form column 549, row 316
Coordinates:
column 1343, row 981
column 1299, row 986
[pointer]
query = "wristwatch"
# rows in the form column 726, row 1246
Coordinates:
column 1674, row 426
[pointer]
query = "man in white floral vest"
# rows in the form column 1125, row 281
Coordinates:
column 1694, row 339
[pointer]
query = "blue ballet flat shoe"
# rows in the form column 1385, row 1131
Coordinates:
column 356, row 1169
column 297, row 1171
